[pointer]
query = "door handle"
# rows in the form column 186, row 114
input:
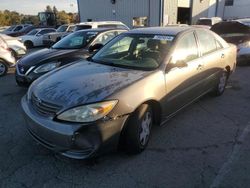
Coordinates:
column 200, row 67
column 222, row 56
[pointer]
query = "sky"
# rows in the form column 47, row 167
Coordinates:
column 34, row 6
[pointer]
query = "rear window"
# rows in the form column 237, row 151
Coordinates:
column 82, row 27
column 207, row 42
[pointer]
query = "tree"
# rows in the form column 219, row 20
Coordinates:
column 48, row 9
column 55, row 10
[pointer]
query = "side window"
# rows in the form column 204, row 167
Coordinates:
column 71, row 28
column 18, row 28
column 186, row 49
column 207, row 42
column 104, row 38
column 45, row 31
column 218, row 45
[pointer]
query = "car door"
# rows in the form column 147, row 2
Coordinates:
column 212, row 57
column 182, row 75
column 39, row 36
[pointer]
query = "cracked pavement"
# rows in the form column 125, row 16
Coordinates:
column 202, row 147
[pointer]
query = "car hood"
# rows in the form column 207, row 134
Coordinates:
column 82, row 83
column 37, row 57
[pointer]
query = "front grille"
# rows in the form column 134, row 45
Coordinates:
column 44, row 108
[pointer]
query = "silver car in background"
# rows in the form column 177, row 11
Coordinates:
column 15, row 45
column 6, row 57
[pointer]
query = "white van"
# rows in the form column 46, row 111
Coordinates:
column 209, row 21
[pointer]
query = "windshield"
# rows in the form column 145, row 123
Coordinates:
column 76, row 40
column 33, row 32
column 204, row 22
column 136, row 51
column 62, row 28
column 11, row 28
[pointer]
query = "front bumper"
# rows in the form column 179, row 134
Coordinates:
column 26, row 79
column 78, row 141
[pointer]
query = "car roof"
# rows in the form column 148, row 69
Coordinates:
column 100, row 30
column 100, row 22
column 233, row 26
column 168, row 30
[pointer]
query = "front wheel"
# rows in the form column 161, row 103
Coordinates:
column 222, row 83
column 3, row 68
column 138, row 129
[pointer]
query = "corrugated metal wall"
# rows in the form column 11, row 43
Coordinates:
column 122, row 10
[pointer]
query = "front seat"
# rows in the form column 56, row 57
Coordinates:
column 152, row 51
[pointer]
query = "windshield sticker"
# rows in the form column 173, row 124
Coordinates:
column 91, row 33
column 162, row 37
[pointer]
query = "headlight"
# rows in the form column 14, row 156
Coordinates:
column 47, row 67
column 88, row 113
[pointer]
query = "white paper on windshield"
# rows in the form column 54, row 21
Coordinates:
column 92, row 33
column 162, row 37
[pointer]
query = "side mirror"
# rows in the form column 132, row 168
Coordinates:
column 96, row 47
column 177, row 64
column 38, row 35
column 180, row 64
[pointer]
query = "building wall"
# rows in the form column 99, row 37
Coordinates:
column 240, row 9
column 122, row 10
column 170, row 12
column 199, row 9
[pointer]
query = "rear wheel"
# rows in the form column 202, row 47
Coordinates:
column 222, row 83
column 3, row 68
column 138, row 129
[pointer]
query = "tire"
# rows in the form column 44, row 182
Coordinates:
column 138, row 129
column 57, row 39
column 28, row 44
column 3, row 68
column 221, row 85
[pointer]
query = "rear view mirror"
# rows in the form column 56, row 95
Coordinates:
column 96, row 47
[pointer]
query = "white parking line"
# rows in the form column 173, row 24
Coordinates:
column 226, row 167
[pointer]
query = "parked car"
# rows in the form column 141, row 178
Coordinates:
column 209, row 21
column 51, row 38
column 100, row 24
column 140, row 78
column 78, row 45
column 15, row 45
column 35, row 37
column 238, row 33
column 6, row 58
column 18, row 30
